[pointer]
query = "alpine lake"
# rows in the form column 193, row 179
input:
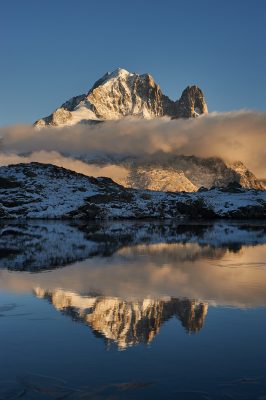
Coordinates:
column 133, row 310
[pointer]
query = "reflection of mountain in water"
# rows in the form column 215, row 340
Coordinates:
column 126, row 323
column 37, row 245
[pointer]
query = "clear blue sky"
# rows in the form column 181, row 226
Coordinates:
column 54, row 49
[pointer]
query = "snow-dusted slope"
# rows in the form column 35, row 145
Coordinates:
column 120, row 94
column 45, row 191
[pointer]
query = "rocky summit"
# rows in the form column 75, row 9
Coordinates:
column 122, row 94
column 45, row 191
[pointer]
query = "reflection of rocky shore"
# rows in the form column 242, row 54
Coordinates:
column 126, row 323
column 39, row 245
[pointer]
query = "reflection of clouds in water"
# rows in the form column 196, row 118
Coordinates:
column 155, row 271
column 163, row 253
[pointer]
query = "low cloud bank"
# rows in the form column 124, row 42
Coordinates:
column 239, row 135
column 53, row 157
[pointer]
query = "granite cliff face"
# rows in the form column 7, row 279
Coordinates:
column 155, row 177
column 126, row 323
column 122, row 94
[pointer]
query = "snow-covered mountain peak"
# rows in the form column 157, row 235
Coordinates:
column 120, row 94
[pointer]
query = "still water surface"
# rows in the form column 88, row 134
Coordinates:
column 133, row 310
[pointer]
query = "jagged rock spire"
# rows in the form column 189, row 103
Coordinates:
column 191, row 103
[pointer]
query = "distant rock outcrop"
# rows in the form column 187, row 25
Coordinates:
column 185, row 173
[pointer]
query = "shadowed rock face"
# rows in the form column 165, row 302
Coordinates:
column 126, row 323
column 120, row 94
column 191, row 103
